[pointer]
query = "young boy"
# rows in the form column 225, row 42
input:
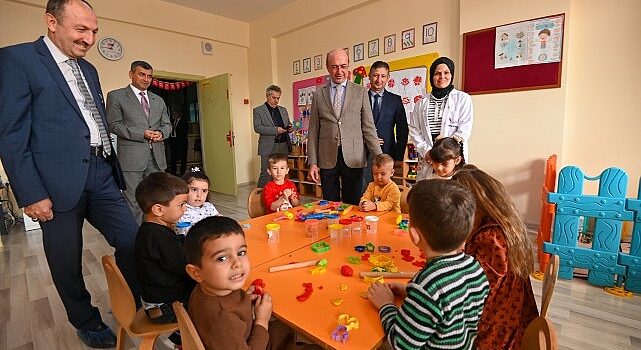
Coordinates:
column 280, row 193
column 443, row 302
column 220, row 309
column 160, row 261
column 382, row 194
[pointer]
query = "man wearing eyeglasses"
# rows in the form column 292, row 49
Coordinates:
column 341, row 126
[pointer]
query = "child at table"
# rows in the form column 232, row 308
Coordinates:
column 160, row 261
column 382, row 194
column 443, row 302
column 280, row 193
column 499, row 241
column 218, row 306
column 197, row 207
column 445, row 158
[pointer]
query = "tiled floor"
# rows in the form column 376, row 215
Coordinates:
column 32, row 316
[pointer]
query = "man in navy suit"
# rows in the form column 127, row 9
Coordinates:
column 388, row 112
column 59, row 158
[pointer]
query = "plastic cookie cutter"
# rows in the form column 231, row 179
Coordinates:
column 337, row 302
column 308, row 205
column 384, row 248
column 350, row 322
column 347, row 210
column 340, row 334
column 359, row 248
column 380, row 260
column 370, row 280
column 370, row 247
column 285, row 215
column 320, row 247
column 354, row 260
column 321, row 267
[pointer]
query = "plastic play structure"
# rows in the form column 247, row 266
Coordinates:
column 607, row 266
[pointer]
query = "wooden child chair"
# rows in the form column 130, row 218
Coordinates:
column 539, row 335
column 123, row 308
column 188, row 334
column 255, row 206
column 549, row 281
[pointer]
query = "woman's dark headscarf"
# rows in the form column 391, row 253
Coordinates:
column 441, row 92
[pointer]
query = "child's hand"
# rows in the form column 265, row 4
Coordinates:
column 368, row 206
column 380, row 294
column 263, row 309
column 287, row 192
column 399, row 289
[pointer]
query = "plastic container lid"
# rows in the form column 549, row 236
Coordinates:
column 371, row 218
column 357, row 218
column 345, row 221
column 272, row 227
column 183, row 224
column 335, row 227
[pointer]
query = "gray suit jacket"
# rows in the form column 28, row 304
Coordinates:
column 264, row 125
column 354, row 127
column 128, row 121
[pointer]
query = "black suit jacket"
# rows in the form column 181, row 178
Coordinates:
column 392, row 114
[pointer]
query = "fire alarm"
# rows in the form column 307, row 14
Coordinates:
column 208, row 48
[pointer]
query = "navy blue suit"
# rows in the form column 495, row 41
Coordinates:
column 45, row 150
column 390, row 114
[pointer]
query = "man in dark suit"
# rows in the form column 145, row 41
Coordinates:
column 140, row 119
column 389, row 114
column 271, row 121
column 340, row 128
column 56, row 150
column 178, row 142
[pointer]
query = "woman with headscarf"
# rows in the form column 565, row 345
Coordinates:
column 446, row 112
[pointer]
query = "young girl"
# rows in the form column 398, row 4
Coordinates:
column 197, row 206
column 499, row 242
column 446, row 157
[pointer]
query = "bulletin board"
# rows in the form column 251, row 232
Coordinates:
column 481, row 77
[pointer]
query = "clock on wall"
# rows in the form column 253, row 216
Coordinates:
column 110, row 48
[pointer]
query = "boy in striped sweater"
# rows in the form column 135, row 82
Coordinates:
column 443, row 302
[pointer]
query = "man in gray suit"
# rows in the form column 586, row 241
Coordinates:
column 141, row 121
column 340, row 127
column 271, row 121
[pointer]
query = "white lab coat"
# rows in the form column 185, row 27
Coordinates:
column 457, row 121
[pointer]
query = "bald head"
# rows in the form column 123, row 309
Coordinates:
column 337, row 65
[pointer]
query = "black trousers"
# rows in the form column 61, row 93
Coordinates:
column 342, row 182
column 106, row 209
column 178, row 152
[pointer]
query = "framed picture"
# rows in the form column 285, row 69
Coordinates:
column 307, row 65
column 296, row 67
column 346, row 51
column 359, row 52
column 389, row 44
column 429, row 33
column 407, row 39
column 318, row 62
column 372, row 48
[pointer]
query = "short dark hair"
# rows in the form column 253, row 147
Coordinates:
column 276, row 157
column 443, row 213
column 379, row 64
column 159, row 188
column 447, row 148
column 195, row 174
column 382, row 159
column 273, row 88
column 209, row 228
column 57, row 8
column 141, row 64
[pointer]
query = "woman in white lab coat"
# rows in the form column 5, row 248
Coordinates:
column 446, row 112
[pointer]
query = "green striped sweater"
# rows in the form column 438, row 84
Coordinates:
column 443, row 306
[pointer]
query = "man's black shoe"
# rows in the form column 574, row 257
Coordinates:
column 102, row 337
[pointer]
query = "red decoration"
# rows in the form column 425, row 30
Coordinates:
column 391, row 83
column 171, row 86
column 359, row 74
column 346, row 271
column 417, row 98
column 258, row 286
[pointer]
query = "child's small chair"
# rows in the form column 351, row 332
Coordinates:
column 255, row 206
column 188, row 334
column 539, row 335
column 405, row 208
column 123, row 308
column 549, row 281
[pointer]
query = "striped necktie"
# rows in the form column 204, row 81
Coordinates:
column 91, row 106
column 338, row 99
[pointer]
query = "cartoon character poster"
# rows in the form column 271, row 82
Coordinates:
column 530, row 42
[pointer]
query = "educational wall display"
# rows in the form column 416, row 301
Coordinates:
column 407, row 39
column 495, row 61
column 359, row 52
column 529, row 42
column 303, row 97
column 318, row 62
column 307, row 65
column 389, row 43
column 429, row 33
column 372, row 48
column 409, row 83
column 296, row 67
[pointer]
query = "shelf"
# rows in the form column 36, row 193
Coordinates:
column 309, row 183
column 411, row 160
column 409, row 178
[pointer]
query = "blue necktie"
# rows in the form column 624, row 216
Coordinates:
column 377, row 107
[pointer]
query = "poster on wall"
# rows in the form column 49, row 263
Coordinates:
column 303, row 98
column 408, row 83
column 530, row 42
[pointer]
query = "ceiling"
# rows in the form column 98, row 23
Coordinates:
column 242, row 10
